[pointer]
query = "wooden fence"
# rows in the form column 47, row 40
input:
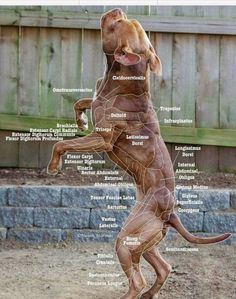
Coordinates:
column 42, row 48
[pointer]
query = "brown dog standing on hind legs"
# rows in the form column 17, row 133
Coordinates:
column 126, row 127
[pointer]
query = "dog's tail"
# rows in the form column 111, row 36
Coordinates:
column 175, row 222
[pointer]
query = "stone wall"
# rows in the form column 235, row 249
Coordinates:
column 60, row 213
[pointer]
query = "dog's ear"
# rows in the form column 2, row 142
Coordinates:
column 154, row 61
column 125, row 56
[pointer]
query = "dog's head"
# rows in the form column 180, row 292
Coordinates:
column 126, row 40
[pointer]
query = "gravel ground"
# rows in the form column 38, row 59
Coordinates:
column 62, row 271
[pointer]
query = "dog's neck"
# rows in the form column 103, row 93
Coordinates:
column 115, row 70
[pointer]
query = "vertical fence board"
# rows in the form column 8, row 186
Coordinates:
column 29, row 72
column 187, row 11
column 28, row 154
column 208, row 11
column 228, row 82
column 228, row 11
column 162, row 10
column 50, row 72
column 183, row 95
column 9, row 151
column 92, row 59
column 207, row 87
column 20, row 7
column 8, row 69
column 61, row 8
column 93, row 9
column 207, row 96
column 138, row 10
column 184, row 68
column 207, row 158
column 71, row 68
column 161, row 88
column 45, row 151
column 227, row 157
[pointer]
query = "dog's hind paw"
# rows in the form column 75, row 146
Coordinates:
column 149, row 295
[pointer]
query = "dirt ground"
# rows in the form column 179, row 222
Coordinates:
column 76, row 271
column 71, row 177
column 62, row 271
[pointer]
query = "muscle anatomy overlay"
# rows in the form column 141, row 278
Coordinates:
column 126, row 127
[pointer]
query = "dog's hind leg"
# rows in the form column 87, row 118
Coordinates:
column 162, row 269
column 131, row 267
column 141, row 231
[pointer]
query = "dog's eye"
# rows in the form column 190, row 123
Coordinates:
column 111, row 29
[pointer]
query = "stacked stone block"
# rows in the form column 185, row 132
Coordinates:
column 60, row 213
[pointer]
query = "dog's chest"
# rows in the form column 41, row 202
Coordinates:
column 120, row 108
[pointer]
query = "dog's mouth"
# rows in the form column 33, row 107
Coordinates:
column 112, row 16
column 116, row 12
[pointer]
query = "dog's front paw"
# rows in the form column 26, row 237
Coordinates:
column 82, row 122
column 53, row 168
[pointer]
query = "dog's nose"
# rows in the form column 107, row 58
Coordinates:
column 116, row 11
